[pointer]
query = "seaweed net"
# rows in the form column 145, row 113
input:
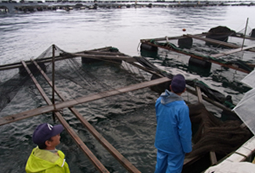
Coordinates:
column 213, row 134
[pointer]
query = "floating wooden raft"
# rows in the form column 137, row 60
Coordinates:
column 98, row 54
column 95, row 54
column 51, row 107
column 80, row 143
column 155, row 42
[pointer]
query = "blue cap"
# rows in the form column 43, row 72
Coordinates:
column 178, row 83
column 44, row 132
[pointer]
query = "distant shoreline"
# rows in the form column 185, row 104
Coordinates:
column 67, row 5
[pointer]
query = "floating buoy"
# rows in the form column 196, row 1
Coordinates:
column 148, row 47
column 185, row 42
column 200, row 67
column 184, row 29
column 253, row 33
column 200, row 63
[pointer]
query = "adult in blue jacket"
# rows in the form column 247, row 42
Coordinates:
column 173, row 133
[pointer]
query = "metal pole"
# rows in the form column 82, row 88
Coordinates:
column 53, row 82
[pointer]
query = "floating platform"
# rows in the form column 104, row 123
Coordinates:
column 139, row 66
column 185, row 43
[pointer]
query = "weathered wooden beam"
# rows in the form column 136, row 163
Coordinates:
column 216, row 42
column 209, row 100
column 191, row 160
column 47, row 59
column 100, row 167
column 232, row 51
column 103, row 53
column 213, row 41
column 199, row 94
column 49, row 108
column 145, row 69
column 213, row 158
column 201, row 57
column 93, row 131
column 243, row 37
column 171, row 38
column 106, row 57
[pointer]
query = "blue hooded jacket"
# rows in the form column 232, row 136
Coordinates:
column 173, row 134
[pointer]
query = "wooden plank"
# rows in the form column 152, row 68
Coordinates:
column 36, row 83
column 145, row 69
column 170, row 38
column 98, row 55
column 106, row 57
column 100, row 167
column 232, row 51
column 199, row 94
column 47, row 59
column 213, row 41
column 241, row 36
column 201, row 57
column 103, row 53
column 49, row 108
column 209, row 100
column 191, row 91
column 189, row 161
column 216, row 42
column 213, row 158
column 93, row 131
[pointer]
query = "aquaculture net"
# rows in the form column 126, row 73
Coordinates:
column 214, row 135
column 75, row 77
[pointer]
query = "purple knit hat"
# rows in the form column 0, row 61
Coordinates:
column 178, row 83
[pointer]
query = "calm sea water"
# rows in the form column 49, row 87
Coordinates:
column 127, row 121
